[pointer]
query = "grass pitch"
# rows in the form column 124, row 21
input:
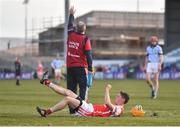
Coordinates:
column 17, row 104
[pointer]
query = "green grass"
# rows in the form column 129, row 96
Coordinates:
column 17, row 104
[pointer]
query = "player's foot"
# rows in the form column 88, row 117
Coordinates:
column 153, row 94
column 45, row 79
column 154, row 97
column 42, row 112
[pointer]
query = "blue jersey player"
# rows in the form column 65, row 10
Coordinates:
column 153, row 64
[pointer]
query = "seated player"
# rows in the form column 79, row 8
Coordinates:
column 81, row 107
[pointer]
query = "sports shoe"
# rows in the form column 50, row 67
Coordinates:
column 42, row 112
column 45, row 79
column 153, row 95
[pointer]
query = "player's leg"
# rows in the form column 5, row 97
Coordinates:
column 150, row 83
column 71, row 84
column 82, row 80
column 156, row 84
column 56, row 76
column 148, row 80
column 17, row 78
column 74, row 103
column 71, row 80
column 148, row 75
column 80, row 74
column 156, row 80
column 56, row 88
column 149, row 72
column 62, row 91
column 59, row 76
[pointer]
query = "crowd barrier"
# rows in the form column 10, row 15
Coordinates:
column 11, row 75
column 102, row 75
column 164, row 75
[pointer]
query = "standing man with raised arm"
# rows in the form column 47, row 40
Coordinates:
column 153, row 64
column 79, row 57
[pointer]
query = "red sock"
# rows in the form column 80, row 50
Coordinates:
column 48, row 111
column 47, row 82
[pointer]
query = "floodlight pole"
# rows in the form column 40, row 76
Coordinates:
column 26, row 21
column 137, row 5
column 65, row 27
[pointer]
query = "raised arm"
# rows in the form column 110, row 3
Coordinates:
column 71, row 19
column 107, row 99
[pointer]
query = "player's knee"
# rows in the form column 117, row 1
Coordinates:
column 68, row 92
column 67, row 99
column 148, row 81
column 155, row 80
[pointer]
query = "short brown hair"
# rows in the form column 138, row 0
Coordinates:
column 125, row 96
column 154, row 38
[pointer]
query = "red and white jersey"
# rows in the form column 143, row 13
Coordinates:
column 99, row 110
column 105, row 111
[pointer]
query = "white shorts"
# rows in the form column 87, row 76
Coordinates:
column 57, row 72
column 85, row 109
column 152, row 68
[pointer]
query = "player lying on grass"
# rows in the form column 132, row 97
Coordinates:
column 81, row 107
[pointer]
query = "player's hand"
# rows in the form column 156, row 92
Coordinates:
column 144, row 69
column 159, row 67
column 72, row 10
column 108, row 86
column 89, row 71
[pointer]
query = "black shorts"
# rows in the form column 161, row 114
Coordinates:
column 77, row 76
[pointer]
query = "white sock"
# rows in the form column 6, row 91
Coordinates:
column 153, row 88
column 51, row 109
column 51, row 85
column 155, row 91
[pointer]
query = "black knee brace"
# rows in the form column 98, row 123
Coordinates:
column 77, row 108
